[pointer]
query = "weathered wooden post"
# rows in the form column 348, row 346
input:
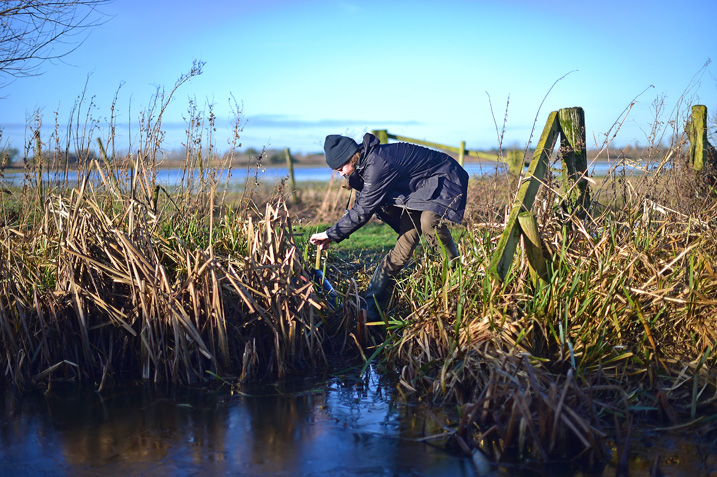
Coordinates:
column 381, row 134
column 516, row 164
column 574, row 158
column 462, row 153
column 292, row 182
column 569, row 123
column 702, row 153
column 503, row 254
column 38, row 165
column 533, row 247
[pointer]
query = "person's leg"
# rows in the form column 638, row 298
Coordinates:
column 434, row 228
column 409, row 234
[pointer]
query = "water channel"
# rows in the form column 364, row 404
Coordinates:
column 339, row 424
column 336, row 424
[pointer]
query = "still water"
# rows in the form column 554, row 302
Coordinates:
column 338, row 425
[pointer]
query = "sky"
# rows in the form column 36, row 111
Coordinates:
column 484, row 72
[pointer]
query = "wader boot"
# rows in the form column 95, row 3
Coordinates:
column 452, row 255
column 376, row 292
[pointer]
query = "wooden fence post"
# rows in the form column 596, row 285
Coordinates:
column 381, row 134
column 462, row 153
column 516, row 163
column 702, row 153
column 573, row 155
column 503, row 254
column 569, row 123
column 292, row 182
column 533, row 247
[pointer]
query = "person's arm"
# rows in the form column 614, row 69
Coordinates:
column 377, row 182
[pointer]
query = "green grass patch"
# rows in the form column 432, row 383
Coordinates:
column 357, row 256
column 372, row 236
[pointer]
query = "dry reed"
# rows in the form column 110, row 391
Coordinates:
column 114, row 275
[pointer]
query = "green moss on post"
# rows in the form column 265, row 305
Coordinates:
column 533, row 247
column 697, row 131
column 573, row 155
column 702, row 153
column 516, row 164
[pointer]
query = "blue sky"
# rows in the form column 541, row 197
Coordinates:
column 442, row 71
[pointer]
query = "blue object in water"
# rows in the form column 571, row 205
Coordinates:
column 331, row 296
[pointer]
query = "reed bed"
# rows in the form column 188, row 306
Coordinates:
column 108, row 274
column 99, row 290
column 622, row 329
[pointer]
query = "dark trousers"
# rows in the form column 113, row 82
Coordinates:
column 410, row 225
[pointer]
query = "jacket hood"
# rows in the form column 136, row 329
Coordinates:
column 368, row 145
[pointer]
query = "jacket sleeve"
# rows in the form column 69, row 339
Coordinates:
column 378, row 178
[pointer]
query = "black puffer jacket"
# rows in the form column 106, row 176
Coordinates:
column 405, row 175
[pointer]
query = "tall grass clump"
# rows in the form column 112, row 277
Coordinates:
column 622, row 329
column 109, row 274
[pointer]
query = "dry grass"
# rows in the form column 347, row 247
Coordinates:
column 124, row 290
column 112, row 275
column 623, row 329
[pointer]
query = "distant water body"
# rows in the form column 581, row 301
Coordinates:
column 239, row 175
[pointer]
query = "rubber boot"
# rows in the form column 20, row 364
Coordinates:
column 452, row 254
column 375, row 293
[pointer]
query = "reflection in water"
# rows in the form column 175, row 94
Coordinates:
column 305, row 426
column 309, row 426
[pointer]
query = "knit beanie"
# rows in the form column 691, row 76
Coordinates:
column 339, row 150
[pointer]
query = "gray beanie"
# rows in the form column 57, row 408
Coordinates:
column 339, row 150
